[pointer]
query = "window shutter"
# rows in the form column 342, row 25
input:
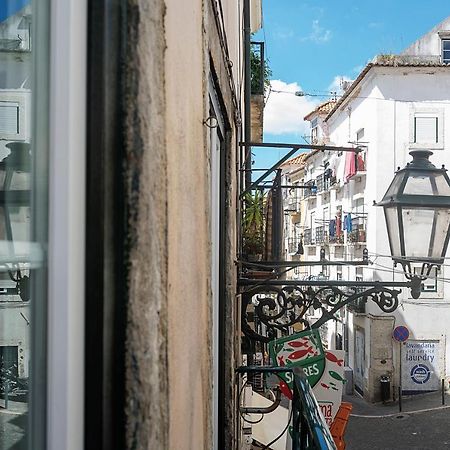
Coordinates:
column 426, row 130
column 9, row 118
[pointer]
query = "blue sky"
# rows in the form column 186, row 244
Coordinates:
column 312, row 44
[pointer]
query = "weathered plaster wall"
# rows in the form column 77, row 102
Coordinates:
column 173, row 46
column 430, row 43
column 189, row 351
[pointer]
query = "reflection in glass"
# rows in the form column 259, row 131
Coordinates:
column 15, row 220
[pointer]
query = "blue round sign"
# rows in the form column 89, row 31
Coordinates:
column 420, row 374
column 401, row 333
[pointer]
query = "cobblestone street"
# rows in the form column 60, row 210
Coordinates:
column 415, row 431
column 423, row 424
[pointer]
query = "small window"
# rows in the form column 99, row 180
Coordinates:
column 426, row 129
column 430, row 284
column 446, row 51
column 360, row 135
column 9, row 118
column 314, row 131
column 359, row 274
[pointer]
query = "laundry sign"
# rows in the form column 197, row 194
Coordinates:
column 421, row 365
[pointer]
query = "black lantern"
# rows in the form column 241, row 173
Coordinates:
column 15, row 206
column 417, row 211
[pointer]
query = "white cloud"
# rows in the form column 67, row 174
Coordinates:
column 284, row 111
column 318, row 34
column 283, row 33
column 336, row 84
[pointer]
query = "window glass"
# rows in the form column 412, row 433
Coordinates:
column 360, row 135
column 446, row 51
column 21, row 257
column 426, row 130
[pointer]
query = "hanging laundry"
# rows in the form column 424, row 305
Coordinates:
column 348, row 223
column 332, row 228
column 360, row 166
column 350, row 165
column 338, row 225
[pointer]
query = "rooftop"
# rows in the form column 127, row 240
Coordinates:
column 323, row 108
column 388, row 61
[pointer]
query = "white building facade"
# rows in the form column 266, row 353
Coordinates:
column 397, row 104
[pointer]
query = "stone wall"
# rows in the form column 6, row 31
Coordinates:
column 173, row 50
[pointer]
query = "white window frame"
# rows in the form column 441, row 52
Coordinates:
column 67, row 204
column 360, row 135
column 216, row 141
column 427, row 112
column 314, row 130
column 22, row 100
column 431, row 284
column 446, row 39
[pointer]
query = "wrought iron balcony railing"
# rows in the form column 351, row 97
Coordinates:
column 308, row 237
column 311, row 189
column 321, row 235
column 293, row 244
column 292, row 204
column 320, row 183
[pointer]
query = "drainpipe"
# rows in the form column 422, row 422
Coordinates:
column 277, row 218
column 247, row 94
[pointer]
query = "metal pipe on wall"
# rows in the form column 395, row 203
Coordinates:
column 247, row 95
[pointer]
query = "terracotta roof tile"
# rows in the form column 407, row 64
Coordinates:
column 295, row 161
column 323, row 108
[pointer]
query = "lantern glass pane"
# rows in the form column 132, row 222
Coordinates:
column 393, row 230
column 442, row 186
column 442, row 224
column 418, row 185
column 394, row 187
column 20, row 223
column 3, row 236
column 20, row 181
column 2, row 179
column 418, row 227
column 428, row 184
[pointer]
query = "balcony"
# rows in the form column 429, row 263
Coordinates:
column 320, row 183
column 292, row 204
column 358, row 233
column 293, row 244
column 311, row 191
column 337, row 240
column 321, row 235
column 309, row 238
column 357, row 237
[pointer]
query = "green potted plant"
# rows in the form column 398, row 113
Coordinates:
column 253, row 230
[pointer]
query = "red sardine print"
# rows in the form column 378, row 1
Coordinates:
column 334, row 358
column 298, row 344
column 284, row 388
column 300, row 353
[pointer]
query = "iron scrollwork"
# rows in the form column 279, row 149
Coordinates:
column 269, row 308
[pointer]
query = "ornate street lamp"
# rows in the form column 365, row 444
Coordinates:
column 417, row 211
column 14, row 207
